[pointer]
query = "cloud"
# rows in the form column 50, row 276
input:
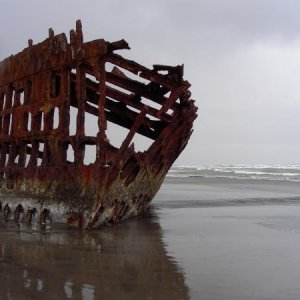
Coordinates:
column 247, row 19
column 241, row 56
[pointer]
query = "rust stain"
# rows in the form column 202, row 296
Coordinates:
column 38, row 88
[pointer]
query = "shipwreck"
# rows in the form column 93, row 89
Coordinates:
column 42, row 163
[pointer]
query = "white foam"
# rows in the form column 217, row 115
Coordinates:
column 240, row 171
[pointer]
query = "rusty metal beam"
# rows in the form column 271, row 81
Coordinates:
column 42, row 158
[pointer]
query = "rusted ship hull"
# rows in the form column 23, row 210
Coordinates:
column 41, row 85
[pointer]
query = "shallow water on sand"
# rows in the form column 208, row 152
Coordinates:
column 120, row 262
column 199, row 240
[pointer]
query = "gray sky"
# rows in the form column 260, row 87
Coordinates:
column 242, row 58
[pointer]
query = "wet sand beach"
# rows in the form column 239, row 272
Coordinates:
column 200, row 239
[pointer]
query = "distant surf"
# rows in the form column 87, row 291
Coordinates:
column 254, row 172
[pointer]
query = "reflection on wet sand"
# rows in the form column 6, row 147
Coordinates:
column 121, row 262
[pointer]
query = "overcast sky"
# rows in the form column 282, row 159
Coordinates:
column 242, row 58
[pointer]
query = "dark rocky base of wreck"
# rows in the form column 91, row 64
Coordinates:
column 76, row 204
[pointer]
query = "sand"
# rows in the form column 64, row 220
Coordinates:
column 201, row 239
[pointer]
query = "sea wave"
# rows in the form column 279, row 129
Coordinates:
column 255, row 172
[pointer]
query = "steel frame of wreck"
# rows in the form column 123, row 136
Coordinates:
column 55, row 75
